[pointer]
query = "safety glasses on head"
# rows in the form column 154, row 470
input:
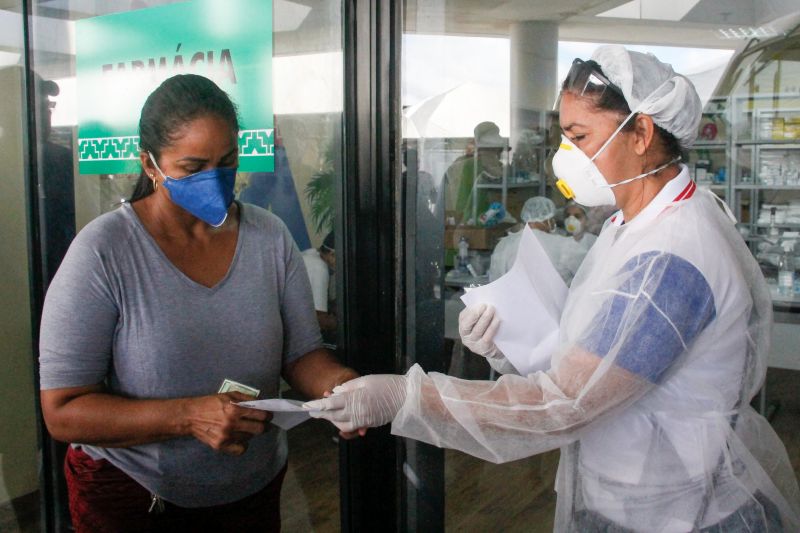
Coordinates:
column 586, row 77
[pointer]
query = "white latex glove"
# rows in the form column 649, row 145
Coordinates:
column 365, row 402
column 477, row 327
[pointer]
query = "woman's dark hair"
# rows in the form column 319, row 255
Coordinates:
column 176, row 102
column 611, row 99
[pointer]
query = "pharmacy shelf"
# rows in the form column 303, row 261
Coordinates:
column 750, row 187
column 768, row 143
column 763, row 225
column 710, row 145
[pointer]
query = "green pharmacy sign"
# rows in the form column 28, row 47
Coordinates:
column 122, row 58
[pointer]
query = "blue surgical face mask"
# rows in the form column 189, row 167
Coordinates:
column 206, row 194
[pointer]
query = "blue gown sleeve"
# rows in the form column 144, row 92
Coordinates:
column 662, row 303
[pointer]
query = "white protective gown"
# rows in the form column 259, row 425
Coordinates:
column 663, row 343
column 587, row 240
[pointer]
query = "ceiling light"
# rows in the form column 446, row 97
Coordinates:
column 652, row 10
column 743, row 32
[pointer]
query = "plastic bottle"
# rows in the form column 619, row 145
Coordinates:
column 774, row 233
column 463, row 255
column 786, row 270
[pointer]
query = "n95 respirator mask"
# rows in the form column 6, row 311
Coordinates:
column 579, row 178
column 573, row 225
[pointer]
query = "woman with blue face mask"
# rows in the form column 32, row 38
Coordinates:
column 164, row 314
column 662, row 342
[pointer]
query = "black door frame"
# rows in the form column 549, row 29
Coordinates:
column 387, row 483
column 369, row 225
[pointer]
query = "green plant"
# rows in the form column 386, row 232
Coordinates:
column 319, row 193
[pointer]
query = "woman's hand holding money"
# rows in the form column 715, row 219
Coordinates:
column 217, row 421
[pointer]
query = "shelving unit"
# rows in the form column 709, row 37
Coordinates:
column 765, row 162
column 748, row 153
column 709, row 158
column 503, row 187
column 514, row 178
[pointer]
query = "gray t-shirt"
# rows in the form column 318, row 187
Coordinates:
column 118, row 310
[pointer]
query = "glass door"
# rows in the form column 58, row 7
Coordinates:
column 479, row 129
column 476, row 136
column 307, row 64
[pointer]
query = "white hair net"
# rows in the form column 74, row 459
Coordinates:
column 538, row 209
column 653, row 88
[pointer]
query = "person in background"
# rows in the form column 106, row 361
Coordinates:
column 575, row 224
column 154, row 307
column 564, row 252
column 57, row 183
column 483, row 166
column 662, row 343
column 321, row 266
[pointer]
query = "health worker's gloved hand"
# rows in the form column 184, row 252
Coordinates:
column 365, row 402
column 477, row 327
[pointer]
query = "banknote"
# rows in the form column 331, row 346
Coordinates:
column 234, row 386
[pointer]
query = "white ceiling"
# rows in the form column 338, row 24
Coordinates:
column 580, row 20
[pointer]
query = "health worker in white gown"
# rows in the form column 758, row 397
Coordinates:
column 564, row 252
column 663, row 338
column 576, row 223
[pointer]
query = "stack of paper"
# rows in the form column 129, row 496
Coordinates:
column 528, row 300
column 286, row 414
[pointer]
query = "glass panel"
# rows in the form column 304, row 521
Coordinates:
column 307, row 102
column 764, row 90
column 476, row 144
column 19, row 463
column 479, row 130
column 309, row 94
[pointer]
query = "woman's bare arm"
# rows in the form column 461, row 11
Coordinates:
column 90, row 415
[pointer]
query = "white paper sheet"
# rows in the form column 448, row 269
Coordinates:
column 286, row 414
column 529, row 300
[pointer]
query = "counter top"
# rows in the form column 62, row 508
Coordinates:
column 456, row 279
column 781, row 300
